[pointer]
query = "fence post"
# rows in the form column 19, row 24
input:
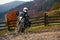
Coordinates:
column 45, row 19
column 7, row 23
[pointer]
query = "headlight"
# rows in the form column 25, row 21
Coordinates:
column 20, row 18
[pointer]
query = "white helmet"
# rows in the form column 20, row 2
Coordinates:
column 25, row 9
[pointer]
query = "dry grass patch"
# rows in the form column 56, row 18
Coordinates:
column 44, row 28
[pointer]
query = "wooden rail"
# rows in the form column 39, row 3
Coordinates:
column 41, row 20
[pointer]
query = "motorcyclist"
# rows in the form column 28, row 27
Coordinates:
column 24, row 18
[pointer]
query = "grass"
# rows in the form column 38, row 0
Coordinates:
column 44, row 28
column 4, row 32
column 40, row 28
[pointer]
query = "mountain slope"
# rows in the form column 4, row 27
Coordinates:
column 9, row 6
column 56, row 6
column 37, row 6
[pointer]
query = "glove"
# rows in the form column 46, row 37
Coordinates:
column 21, row 19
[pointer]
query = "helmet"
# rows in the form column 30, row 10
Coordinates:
column 25, row 9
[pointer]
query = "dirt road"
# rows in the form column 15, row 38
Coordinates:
column 38, row 36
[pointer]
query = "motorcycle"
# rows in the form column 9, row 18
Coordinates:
column 20, row 25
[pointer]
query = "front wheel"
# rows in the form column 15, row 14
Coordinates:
column 21, row 27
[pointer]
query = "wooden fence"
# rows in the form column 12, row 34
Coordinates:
column 41, row 20
column 3, row 25
column 45, row 21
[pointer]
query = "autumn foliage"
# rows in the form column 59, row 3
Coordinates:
column 12, row 16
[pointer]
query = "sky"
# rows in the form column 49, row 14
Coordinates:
column 7, row 1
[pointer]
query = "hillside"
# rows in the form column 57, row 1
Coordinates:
column 53, row 13
column 5, row 8
column 37, row 6
column 56, row 6
column 9, row 6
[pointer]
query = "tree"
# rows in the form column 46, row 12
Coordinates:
column 55, row 6
column 12, row 16
column 57, row 0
